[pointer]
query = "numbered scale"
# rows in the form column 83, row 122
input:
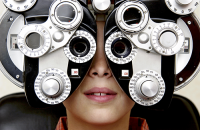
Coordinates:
column 52, row 86
column 182, row 7
column 19, row 5
column 147, row 87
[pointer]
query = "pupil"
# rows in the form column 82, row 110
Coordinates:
column 119, row 47
column 33, row 40
column 79, row 47
column 132, row 16
column 65, row 13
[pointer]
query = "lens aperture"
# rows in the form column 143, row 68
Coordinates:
column 121, row 47
column 65, row 13
column 34, row 40
column 132, row 16
column 79, row 46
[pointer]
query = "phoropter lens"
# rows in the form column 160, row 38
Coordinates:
column 132, row 16
column 121, row 47
column 79, row 46
column 65, row 13
column 34, row 40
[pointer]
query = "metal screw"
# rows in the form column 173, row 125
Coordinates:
column 52, row 47
column 17, row 76
column 189, row 22
column 11, row 19
column 181, row 79
column 50, row 27
column 149, row 27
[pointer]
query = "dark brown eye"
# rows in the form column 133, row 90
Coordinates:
column 79, row 46
column 121, row 47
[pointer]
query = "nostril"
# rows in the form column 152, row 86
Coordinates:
column 95, row 73
column 105, row 74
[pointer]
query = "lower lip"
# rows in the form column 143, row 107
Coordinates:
column 101, row 99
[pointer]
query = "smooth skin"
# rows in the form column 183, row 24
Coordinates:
column 87, row 114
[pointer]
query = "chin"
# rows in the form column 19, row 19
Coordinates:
column 102, row 117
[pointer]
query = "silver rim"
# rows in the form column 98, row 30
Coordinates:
column 132, row 28
column 34, row 53
column 63, row 25
column 112, row 57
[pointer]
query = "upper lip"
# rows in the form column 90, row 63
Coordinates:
column 100, row 90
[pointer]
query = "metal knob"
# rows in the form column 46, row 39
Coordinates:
column 149, row 88
column 183, row 2
column 50, row 87
column 168, row 39
column 101, row 6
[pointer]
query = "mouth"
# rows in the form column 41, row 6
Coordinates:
column 100, row 95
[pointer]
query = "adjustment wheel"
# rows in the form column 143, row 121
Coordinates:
column 182, row 7
column 167, row 39
column 147, row 87
column 52, row 86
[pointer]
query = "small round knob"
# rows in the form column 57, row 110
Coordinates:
column 149, row 88
column 58, row 36
column 101, row 6
column 50, row 87
column 168, row 39
column 183, row 2
column 143, row 37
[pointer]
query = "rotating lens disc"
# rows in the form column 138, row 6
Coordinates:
column 34, row 41
column 119, row 49
column 167, row 38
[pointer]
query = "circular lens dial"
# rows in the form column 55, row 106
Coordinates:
column 182, row 7
column 132, row 16
column 66, row 15
column 34, row 40
column 81, row 48
column 52, row 86
column 147, row 87
column 167, row 38
column 19, row 5
column 119, row 49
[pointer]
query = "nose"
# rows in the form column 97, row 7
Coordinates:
column 99, row 67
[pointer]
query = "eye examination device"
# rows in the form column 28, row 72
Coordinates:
column 151, row 46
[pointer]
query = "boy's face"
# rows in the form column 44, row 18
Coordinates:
column 87, row 104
